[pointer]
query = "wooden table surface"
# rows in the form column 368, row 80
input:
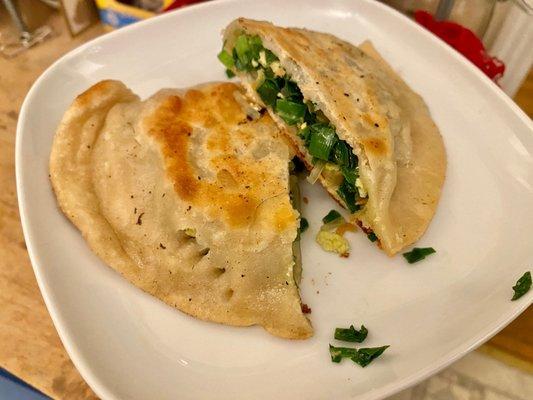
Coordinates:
column 29, row 345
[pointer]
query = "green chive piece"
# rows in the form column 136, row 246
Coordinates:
column 289, row 111
column 351, row 334
column 270, row 57
column 229, row 73
column 323, row 138
column 270, row 75
column 331, row 216
column 366, row 355
column 304, row 224
column 348, row 193
column 372, row 237
column 350, row 174
column 418, row 253
column 226, row 59
column 242, row 47
column 246, row 50
column 237, row 61
column 522, row 286
column 340, row 154
column 268, row 92
column 338, row 353
column 305, row 134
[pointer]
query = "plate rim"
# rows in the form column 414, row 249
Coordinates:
column 81, row 361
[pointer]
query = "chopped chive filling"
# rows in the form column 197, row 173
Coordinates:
column 226, row 59
column 290, row 111
column 322, row 139
column 283, row 95
column 349, row 193
column 268, row 91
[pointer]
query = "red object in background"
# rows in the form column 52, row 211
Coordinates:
column 180, row 3
column 465, row 42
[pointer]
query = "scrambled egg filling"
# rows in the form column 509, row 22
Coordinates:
column 333, row 242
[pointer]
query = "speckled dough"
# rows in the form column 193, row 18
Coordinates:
column 187, row 198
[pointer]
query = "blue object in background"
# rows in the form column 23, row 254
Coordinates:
column 116, row 19
column 12, row 388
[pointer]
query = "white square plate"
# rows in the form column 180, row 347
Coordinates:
column 128, row 345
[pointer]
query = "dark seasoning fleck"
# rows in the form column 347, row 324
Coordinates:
column 139, row 219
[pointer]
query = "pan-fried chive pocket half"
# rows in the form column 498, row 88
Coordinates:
column 359, row 129
column 187, row 197
column 332, row 157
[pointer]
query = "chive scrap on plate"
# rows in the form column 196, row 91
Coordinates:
column 368, row 354
column 304, row 224
column 363, row 356
column 351, row 334
column 331, row 216
column 418, row 253
column 522, row 286
column 338, row 353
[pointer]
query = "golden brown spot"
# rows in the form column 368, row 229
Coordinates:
column 375, row 146
column 220, row 142
column 223, row 196
column 228, row 294
column 368, row 119
column 94, row 92
column 284, row 217
column 226, row 178
column 173, row 134
column 241, row 210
